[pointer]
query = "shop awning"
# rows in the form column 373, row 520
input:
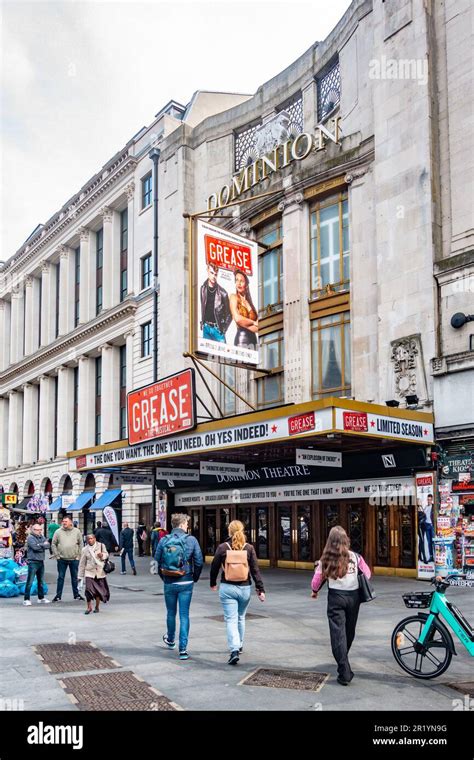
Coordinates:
column 83, row 500
column 24, row 503
column 56, row 505
column 107, row 498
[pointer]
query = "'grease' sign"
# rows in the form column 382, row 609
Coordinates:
column 162, row 409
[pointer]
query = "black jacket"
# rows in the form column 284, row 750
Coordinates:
column 105, row 536
column 218, row 563
column 223, row 317
column 35, row 548
column 126, row 538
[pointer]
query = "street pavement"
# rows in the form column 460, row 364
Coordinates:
column 292, row 634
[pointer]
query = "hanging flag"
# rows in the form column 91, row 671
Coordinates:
column 111, row 517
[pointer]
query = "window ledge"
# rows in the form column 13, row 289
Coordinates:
column 145, row 209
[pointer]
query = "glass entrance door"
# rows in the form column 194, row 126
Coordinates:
column 216, row 528
column 349, row 515
column 256, row 522
column 294, row 535
column 395, row 536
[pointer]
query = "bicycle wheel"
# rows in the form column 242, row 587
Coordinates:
column 427, row 661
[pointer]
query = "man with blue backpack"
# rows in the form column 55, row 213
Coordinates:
column 179, row 559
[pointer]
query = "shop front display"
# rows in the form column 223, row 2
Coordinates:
column 455, row 523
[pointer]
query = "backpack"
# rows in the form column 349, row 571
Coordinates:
column 236, row 565
column 173, row 558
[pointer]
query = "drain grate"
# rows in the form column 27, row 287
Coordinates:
column 115, row 691
column 249, row 616
column 69, row 658
column 303, row 680
column 466, row 688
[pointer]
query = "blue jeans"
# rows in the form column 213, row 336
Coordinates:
column 235, row 600
column 429, row 533
column 127, row 553
column 35, row 568
column 212, row 333
column 181, row 593
column 63, row 565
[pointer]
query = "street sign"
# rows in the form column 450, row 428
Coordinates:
column 163, row 408
column 8, row 498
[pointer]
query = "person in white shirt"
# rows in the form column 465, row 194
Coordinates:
column 339, row 567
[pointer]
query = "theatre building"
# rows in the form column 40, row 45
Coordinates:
column 332, row 170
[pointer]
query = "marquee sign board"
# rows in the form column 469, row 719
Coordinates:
column 163, row 408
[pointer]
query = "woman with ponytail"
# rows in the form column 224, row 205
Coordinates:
column 339, row 566
column 238, row 561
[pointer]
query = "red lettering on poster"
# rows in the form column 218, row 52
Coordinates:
column 427, row 480
column 301, row 423
column 81, row 462
column 227, row 255
column 356, row 421
column 161, row 409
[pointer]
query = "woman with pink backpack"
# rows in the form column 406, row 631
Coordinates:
column 238, row 561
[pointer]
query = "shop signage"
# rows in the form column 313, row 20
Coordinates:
column 126, row 479
column 355, row 489
column 165, row 473
column 384, row 427
column 163, row 408
column 313, row 458
column 456, row 465
column 224, row 438
column 302, row 423
column 462, row 485
column 67, row 501
column 221, row 468
column 294, row 149
column 388, row 460
column 8, row 498
column 227, row 273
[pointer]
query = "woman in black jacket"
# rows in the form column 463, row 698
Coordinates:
column 238, row 561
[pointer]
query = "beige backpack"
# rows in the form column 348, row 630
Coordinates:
column 236, row 565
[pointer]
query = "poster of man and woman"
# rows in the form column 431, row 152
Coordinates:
column 227, row 271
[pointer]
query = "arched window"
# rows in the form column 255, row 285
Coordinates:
column 89, row 485
column 67, row 485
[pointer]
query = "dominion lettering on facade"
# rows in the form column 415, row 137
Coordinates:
column 294, row 149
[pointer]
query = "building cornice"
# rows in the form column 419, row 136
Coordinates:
column 444, row 365
column 118, row 313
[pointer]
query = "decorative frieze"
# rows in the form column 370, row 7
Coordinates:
column 408, row 369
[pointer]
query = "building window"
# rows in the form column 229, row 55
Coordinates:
column 58, row 286
column 77, row 283
column 329, row 89
column 98, row 399
column 146, row 271
column 228, row 400
column 123, row 392
column 331, row 355
column 271, row 388
column 76, row 407
column 147, row 190
column 123, row 254
column 99, row 269
column 270, row 266
column 146, row 339
column 330, row 246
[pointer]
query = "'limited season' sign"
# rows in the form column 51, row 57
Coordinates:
column 162, row 409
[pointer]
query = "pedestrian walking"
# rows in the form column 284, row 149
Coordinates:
column 52, row 528
column 126, row 548
column 105, row 536
column 142, row 535
column 238, row 561
column 36, row 544
column 67, row 547
column 180, row 562
column 340, row 566
column 156, row 535
column 91, row 569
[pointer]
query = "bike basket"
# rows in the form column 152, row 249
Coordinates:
column 418, row 599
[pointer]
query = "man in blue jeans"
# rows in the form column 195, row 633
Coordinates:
column 180, row 562
column 126, row 548
column 67, row 547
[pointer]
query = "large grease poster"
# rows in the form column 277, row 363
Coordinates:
column 227, row 294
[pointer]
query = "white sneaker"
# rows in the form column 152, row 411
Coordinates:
column 27, row 603
column 122, row 572
column 43, row 601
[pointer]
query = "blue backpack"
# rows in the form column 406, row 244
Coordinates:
column 173, row 558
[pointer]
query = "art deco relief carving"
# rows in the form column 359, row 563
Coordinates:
column 408, row 369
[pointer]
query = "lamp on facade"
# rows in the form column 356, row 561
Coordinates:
column 412, row 401
column 459, row 319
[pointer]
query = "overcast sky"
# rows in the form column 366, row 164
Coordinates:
column 79, row 79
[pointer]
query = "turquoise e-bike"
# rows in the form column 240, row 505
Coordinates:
column 422, row 644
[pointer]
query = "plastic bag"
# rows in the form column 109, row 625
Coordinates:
column 21, row 574
column 7, row 589
column 7, row 570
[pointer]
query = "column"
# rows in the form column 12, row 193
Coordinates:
column 111, row 270
column 87, row 283
column 67, row 290
column 129, row 339
column 110, row 393
column 17, row 325
column 30, row 423
column 48, row 303
column 15, row 429
column 3, row 433
column 32, row 314
column 46, row 418
column 5, row 332
column 86, row 422
column 130, row 190
column 66, row 407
